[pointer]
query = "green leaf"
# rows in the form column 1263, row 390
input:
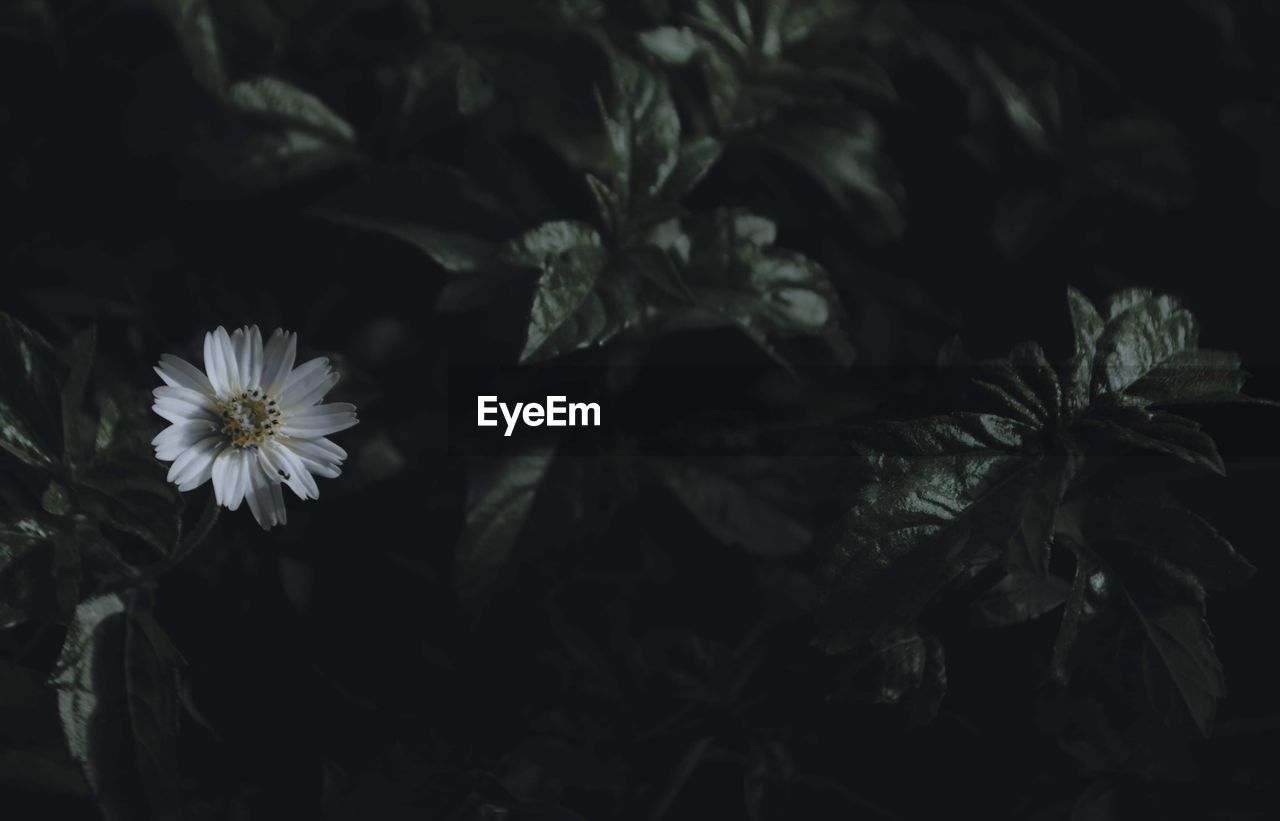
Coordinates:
column 571, row 308
column 30, row 405
column 54, row 500
column 117, row 693
column 643, row 131
column 912, row 672
column 1171, row 647
column 1024, row 386
column 1158, row 431
column 733, row 513
column 193, row 26
column 1031, row 104
column 108, row 424
column 1143, row 331
column 944, row 486
column 500, row 497
column 129, row 492
column 48, row 771
column 151, row 682
column 279, row 135
column 77, row 360
column 845, row 158
column 1192, row 377
column 673, row 46
column 1029, row 547
column 735, row 276
column 1019, row 597
column 1087, row 326
column 1138, row 610
column 433, row 208
column 39, row 570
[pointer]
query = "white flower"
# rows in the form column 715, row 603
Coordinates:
column 251, row 421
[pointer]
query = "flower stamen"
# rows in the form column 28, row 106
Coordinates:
column 249, row 418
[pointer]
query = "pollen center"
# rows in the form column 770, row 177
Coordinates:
column 249, row 418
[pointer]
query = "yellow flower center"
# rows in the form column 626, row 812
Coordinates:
column 249, row 418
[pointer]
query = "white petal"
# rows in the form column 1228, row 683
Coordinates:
column 278, row 358
column 261, row 499
column 180, row 373
column 220, row 361
column 247, row 342
column 192, row 467
column 286, row 465
column 193, row 397
column 277, row 501
column 303, row 378
column 320, row 420
column 318, row 459
column 178, row 410
column 173, row 440
column 330, row 447
column 230, row 477
column 292, row 400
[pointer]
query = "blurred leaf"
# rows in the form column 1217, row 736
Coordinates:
column 845, row 158
column 30, row 405
column 732, row 512
column 193, row 25
column 643, row 131
column 77, row 359
column 48, row 771
column 1019, row 597
column 151, row 681
column 108, row 422
column 39, row 570
column 1141, row 157
column 674, row 46
column 55, row 500
column 273, row 134
column 912, row 672
column 130, row 493
column 116, row 682
column 500, row 497
column 1031, row 103
column 734, row 273
column 27, row 19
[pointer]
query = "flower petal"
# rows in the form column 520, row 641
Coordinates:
column 180, row 373
column 303, row 379
column 320, row 420
column 289, row 468
column 220, row 361
column 291, row 400
column 177, row 409
column 262, row 498
column 193, row 466
column 278, row 359
column 318, row 459
column 247, row 342
column 230, row 477
column 173, row 440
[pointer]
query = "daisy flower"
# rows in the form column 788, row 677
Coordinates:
column 251, row 421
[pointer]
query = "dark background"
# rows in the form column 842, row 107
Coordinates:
column 627, row 663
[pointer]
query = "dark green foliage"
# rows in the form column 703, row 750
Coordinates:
column 745, row 228
column 956, row 492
